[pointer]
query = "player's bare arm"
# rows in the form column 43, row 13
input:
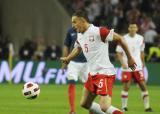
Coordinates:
column 122, row 43
column 120, row 58
column 65, row 54
column 75, row 52
column 143, row 58
column 65, row 51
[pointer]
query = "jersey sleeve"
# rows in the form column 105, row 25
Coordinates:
column 106, row 34
column 119, row 49
column 77, row 45
column 67, row 41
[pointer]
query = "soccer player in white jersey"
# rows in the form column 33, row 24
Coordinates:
column 136, row 46
column 93, row 41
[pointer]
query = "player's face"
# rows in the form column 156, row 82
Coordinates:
column 78, row 24
column 132, row 29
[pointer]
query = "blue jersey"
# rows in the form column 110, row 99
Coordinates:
column 69, row 42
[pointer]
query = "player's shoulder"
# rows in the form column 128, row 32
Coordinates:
column 139, row 36
column 72, row 33
column 125, row 36
column 71, row 30
column 98, row 28
column 93, row 27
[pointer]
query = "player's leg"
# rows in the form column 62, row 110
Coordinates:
column 72, row 76
column 105, row 104
column 101, row 85
column 87, row 99
column 144, row 92
column 83, row 76
column 88, row 96
column 126, row 81
column 105, row 91
column 71, row 96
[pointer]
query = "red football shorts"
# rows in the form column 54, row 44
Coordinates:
column 138, row 76
column 100, row 84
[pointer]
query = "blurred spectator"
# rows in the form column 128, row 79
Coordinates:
column 117, row 13
column 77, row 4
column 114, row 2
column 118, row 17
column 146, row 24
column 39, row 53
column 93, row 10
column 133, row 16
column 52, row 52
column 156, row 18
column 150, row 35
column 154, row 51
column 6, row 48
column 105, row 10
column 27, row 50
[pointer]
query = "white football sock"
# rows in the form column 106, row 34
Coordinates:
column 145, row 99
column 112, row 109
column 96, row 109
column 124, row 98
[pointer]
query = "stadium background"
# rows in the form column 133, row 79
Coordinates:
column 35, row 30
column 32, row 34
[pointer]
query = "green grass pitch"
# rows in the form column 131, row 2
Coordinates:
column 53, row 100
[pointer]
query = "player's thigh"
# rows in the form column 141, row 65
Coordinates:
column 126, row 76
column 87, row 98
column 105, row 102
column 103, row 84
column 139, row 76
column 73, row 71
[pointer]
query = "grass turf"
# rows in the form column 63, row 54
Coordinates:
column 53, row 100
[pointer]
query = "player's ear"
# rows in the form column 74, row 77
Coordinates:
column 137, row 29
column 128, row 28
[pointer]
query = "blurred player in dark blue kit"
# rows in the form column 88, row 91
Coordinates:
column 77, row 68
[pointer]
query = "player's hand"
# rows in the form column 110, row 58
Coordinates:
column 63, row 68
column 64, row 60
column 124, row 66
column 132, row 64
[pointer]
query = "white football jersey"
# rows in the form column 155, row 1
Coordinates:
column 136, row 46
column 96, row 51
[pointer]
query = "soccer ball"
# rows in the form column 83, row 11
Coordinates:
column 31, row 90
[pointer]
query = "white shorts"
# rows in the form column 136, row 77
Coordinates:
column 77, row 71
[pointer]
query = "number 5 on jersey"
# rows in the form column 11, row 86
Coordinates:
column 86, row 47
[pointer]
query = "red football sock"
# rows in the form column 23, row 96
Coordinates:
column 113, row 110
column 71, row 96
column 117, row 112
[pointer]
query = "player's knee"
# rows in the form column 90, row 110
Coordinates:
column 85, row 105
column 104, row 108
column 126, row 89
